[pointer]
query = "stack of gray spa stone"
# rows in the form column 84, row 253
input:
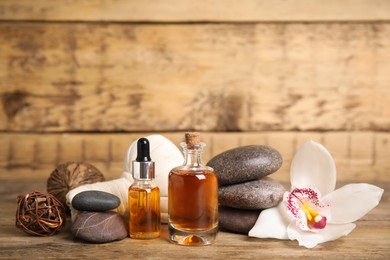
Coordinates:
column 243, row 188
column 96, row 222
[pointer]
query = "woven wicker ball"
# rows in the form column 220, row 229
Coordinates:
column 40, row 214
column 70, row 175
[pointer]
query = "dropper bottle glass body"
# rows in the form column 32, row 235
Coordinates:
column 144, row 196
column 192, row 198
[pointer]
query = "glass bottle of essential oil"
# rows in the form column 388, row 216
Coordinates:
column 144, row 196
column 192, row 198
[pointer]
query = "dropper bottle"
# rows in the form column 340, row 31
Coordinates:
column 144, row 196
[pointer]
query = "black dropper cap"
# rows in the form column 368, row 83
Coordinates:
column 143, row 166
column 143, row 150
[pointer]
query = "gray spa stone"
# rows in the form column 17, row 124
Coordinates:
column 94, row 200
column 259, row 194
column 245, row 163
column 237, row 220
column 99, row 227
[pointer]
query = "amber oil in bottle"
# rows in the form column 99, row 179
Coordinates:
column 144, row 196
column 192, row 198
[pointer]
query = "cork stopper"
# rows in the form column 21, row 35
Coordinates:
column 192, row 138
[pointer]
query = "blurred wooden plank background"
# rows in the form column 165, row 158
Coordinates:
column 195, row 11
column 360, row 156
column 83, row 79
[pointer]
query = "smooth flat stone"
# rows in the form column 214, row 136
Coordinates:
column 245, row 163
column 99, row 227
column 237, row 220
column 94, row 200
column 259, row 194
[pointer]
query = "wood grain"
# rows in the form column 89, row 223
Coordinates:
column 369, row 240
column 57, row 77
column 359, row 156
column 195, row 11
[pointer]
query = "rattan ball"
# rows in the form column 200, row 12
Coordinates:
column 70, row 175
column 40, row 214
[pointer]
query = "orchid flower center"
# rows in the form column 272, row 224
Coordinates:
column 304, row 205
column 314, row 220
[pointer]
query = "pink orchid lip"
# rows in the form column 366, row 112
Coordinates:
column 301, row 203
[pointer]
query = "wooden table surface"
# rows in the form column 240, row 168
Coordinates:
column 369, row 240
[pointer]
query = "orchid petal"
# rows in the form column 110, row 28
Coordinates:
column 353, row 201
column 271, row 223
column 310, row 240
column 313, row 166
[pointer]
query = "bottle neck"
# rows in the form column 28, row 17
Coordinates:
column 193, row 154
column 143, row 183
column 143, row 180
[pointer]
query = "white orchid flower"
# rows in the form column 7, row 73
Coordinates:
column 306, row 216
